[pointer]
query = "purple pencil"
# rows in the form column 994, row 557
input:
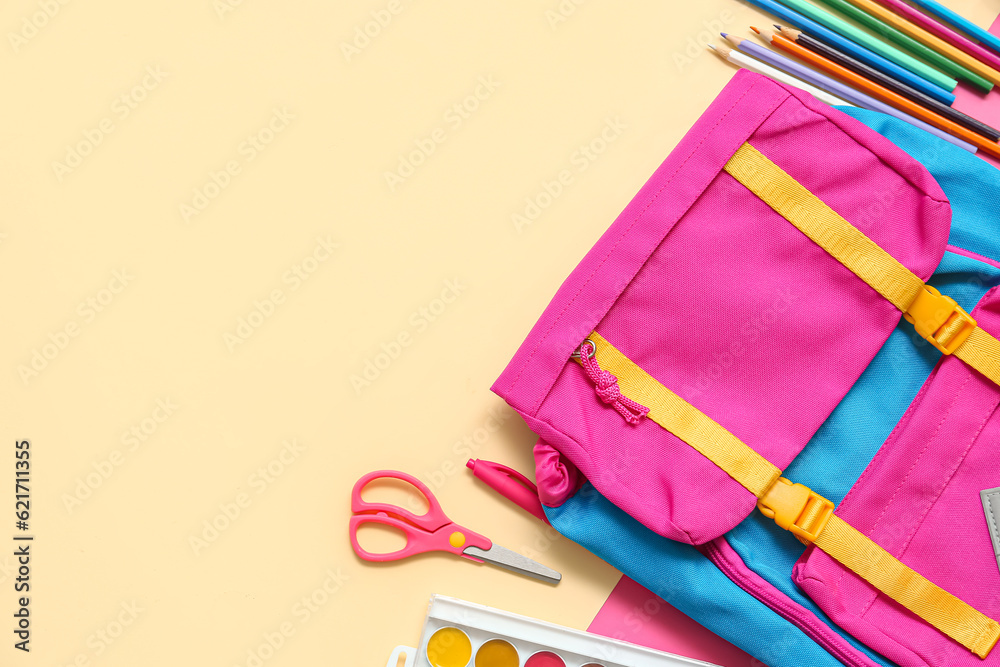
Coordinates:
column 834, row 87
column 944, row 32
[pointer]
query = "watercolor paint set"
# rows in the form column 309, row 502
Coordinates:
column 463, row 634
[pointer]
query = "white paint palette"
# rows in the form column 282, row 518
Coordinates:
column 463, row 634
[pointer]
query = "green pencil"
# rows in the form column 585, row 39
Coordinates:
column 921, row 51
column 872, row 43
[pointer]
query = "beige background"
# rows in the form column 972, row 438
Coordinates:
column 119, row 301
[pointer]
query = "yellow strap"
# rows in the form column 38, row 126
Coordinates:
column 937, row 318
column 796, row 508
column 825, row 226
column 937, row 606
column 688, row 423
column 982, row 352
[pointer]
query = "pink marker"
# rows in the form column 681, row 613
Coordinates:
column 510, row 484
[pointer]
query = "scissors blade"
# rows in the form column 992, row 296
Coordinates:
column 515, row 562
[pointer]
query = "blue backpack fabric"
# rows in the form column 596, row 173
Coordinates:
column 834, row 458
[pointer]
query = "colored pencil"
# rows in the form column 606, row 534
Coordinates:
column 746, row 62
column 943, row 31
column 924, row 37
column 835, row 87
column 960, row 23
column 803, row 39
column 880, row 92
column 875, row 44
column 828, row 36
column 890, row 29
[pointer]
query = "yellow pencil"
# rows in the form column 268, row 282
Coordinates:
column 927, row 39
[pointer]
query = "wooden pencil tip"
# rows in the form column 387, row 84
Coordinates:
column 777, row 27
column 725, row 35
column 721, row 51
column 754, row 28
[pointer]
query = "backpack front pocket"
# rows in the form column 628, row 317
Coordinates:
column 919, row 499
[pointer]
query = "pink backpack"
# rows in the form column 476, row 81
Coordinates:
column 714, row 329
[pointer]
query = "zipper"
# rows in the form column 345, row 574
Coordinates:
column 607, row 388
column 606, row 384
column 777, row 602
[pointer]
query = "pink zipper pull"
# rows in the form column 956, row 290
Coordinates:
column 606, row 385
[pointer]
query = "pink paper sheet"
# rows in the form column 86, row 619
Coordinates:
column 981, row 107
column 633, row 614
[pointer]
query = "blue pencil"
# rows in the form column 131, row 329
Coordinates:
column 960, row 22
column 827, row 36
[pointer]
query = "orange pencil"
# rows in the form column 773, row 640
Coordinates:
column 879, row 92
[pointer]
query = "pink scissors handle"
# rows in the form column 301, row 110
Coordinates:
column 430, row 521
column 431, row 531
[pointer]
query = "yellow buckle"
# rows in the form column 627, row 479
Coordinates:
column 941, row 321
column 797, row 509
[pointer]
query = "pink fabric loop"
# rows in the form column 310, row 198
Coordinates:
column 557, row 477
column 606, row 386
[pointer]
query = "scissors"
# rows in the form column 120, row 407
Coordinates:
column 432, row 531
